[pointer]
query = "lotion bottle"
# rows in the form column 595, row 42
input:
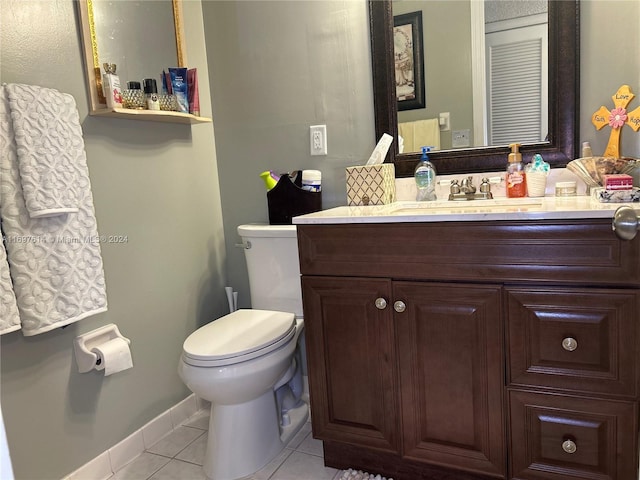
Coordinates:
column 515, row 177
column 151, row 93
column 425, row 176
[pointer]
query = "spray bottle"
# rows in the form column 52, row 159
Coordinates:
column 516, row 186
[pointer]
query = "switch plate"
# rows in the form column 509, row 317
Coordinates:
column 318, row 139
column 444, row 120
column 461, row 138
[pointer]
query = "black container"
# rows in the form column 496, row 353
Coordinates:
column 287, row 200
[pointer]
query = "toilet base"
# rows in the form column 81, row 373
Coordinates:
column 297, row 417
column 244, row 438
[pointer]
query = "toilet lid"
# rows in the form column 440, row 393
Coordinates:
column 239, row 336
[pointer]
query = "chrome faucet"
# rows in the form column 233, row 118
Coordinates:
column 467, row 186
column 466, row 190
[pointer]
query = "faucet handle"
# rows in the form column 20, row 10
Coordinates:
column 455, row 187
column 485, row 186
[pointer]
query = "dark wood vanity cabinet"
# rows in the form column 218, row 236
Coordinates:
column 354, row 380
column 450, row 354
column 474, row 349
column 573, row 382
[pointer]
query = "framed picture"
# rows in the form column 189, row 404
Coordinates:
column 408, row 57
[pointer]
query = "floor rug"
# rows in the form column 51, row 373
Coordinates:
column 360, row 475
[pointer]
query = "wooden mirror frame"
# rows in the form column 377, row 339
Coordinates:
column 564, row 97
column 93, row 67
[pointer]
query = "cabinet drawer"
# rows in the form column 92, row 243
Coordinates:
column 567, row 252
column 583, row 340
column 560, row 437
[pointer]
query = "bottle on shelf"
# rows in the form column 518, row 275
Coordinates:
column 151, row 93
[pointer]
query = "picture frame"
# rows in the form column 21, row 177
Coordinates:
column 409, row 60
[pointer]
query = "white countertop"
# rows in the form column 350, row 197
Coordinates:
column 545, row 208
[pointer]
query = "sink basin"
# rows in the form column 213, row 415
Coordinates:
column 471, row 206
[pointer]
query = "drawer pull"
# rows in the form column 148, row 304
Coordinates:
column 399, row 306
column 569, row 344
column 381, row 303
column 626, row 223
column 569, row 446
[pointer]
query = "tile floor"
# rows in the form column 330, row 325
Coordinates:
column 180, row 455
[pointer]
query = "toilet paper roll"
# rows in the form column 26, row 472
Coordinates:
column 113, row 356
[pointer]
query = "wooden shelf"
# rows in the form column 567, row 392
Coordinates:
column 151, row 115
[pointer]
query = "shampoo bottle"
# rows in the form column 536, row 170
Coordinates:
column 516, row 186
column 425, row 176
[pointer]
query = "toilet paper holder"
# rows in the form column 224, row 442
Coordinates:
column 83, row 344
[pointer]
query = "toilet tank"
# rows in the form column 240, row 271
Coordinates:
column 272, row 263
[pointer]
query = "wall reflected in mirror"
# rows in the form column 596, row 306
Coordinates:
column 141, row 37
column 486, row 65
column 138, row 36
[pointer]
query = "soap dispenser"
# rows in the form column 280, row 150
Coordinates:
column 425, row 176
column 516, row 186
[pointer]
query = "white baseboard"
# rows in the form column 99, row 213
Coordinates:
column 113, row 459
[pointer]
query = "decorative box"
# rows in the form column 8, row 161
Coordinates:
column 616, row 196
column 371, row 184
column 618, row 181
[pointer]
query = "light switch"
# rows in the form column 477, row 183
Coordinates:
column 444, row 120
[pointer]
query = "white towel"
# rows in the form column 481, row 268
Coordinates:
column 420, row 133
column 405, row 130
column 426, row 133
column 49, row 145
column 9, row 317
column 55, row 261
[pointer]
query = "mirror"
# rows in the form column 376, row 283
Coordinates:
column 563, row 97
column 112, row 33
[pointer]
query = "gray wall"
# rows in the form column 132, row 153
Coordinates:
column 606, row 63
column 158, row 185
column 275, row 68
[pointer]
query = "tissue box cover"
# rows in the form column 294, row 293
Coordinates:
column 371, row 184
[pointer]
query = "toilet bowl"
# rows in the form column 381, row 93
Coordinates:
column 249, row 363
column 245, row 365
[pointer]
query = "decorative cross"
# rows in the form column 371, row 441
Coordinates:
column 616, row 118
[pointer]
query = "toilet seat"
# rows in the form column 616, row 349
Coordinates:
column 240, row 336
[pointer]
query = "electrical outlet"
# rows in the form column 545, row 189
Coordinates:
column 318, row 139
column 461, row 138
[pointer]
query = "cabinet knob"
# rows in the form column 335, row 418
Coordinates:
column 399, row 306
column 569, row 344
column 626, row 223
column 381, row 303
column 569, row 446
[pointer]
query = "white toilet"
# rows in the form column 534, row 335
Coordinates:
column 248, row 364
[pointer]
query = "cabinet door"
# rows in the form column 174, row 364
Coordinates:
column 451, row 375
column 351, row 361
column 585, row 340
column 556, row 437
